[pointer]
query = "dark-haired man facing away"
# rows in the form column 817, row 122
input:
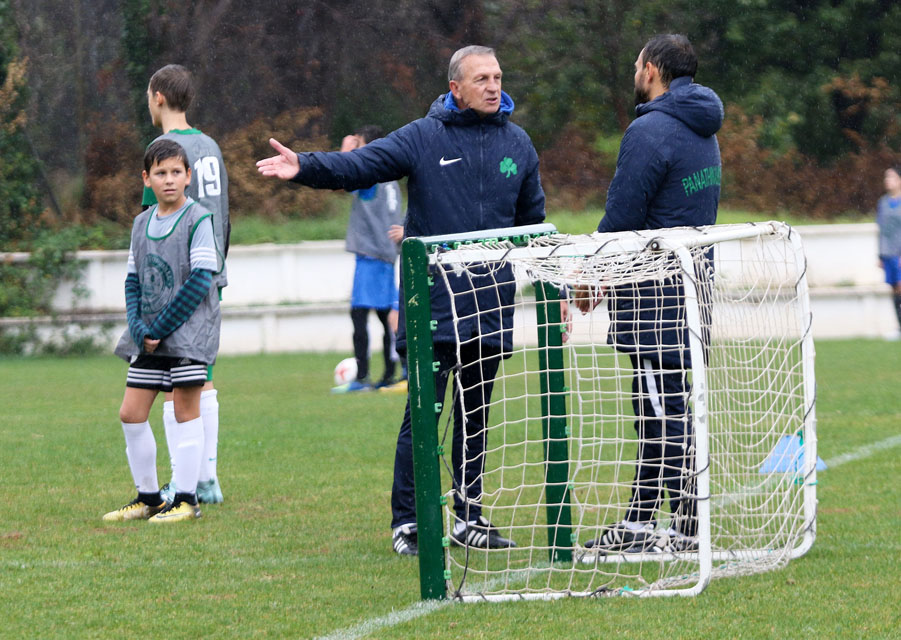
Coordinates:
column 667, row 175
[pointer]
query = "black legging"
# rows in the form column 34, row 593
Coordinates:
column 359, row 316
column 478, row 366
column 665, row 445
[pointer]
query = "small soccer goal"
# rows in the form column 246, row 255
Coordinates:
column 561, row 439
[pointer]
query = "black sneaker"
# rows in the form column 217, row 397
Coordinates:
column 481, row 534
column 405, row 540
column 619, row 538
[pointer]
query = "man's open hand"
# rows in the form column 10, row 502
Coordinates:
column 284, row 166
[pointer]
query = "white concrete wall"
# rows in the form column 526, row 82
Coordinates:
column 264, row 274
column 841, row 255
column 295, row 297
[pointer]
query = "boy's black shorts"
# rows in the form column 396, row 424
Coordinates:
column 164, row 373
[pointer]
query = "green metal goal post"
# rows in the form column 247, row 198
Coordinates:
column 425, row 406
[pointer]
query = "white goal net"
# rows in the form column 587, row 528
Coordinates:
column 694, row 372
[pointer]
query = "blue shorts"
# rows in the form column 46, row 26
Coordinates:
column 892, row 268
column 374, row 284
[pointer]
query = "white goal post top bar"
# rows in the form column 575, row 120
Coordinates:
column 489, row 234
column 493, row 245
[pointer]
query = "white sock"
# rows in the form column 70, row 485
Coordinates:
column 209, row 412
column 188, row 451
column 169, row 424
column 140, row 449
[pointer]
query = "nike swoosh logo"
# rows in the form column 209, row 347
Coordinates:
column 444, row 162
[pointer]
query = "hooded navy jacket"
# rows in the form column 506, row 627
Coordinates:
column 465, row 173
column 667, row 175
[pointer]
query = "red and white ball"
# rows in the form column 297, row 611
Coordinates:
column 346, row 371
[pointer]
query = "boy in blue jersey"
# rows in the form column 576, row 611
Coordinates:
column 888, row 218
column 172, row 335
column 374, row 212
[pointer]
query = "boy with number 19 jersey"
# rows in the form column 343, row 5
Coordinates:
column 169, row 94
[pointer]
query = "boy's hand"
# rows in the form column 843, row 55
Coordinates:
column 150, row 345
column 587, row 298
column 351, row 142
column 567, row 317
column 396, row 233
column 283, row 166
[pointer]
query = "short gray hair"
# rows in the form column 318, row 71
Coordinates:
column 453, row 69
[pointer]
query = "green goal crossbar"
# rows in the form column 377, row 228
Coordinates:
column 425, row 405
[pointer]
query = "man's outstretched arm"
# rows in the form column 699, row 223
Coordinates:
column 382, row 160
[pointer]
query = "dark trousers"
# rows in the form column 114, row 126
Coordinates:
column 665, row 445
column 477, row 368
column 359, row 316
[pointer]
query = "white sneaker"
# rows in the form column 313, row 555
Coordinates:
column 671, row 541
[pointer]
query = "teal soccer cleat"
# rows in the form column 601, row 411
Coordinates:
column 209, row 492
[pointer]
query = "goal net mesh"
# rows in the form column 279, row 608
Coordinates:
column 748, row 396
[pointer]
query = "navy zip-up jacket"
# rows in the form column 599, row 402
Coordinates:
column 667, row 175
column 465, row 173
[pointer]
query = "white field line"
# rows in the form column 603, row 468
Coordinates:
column 415, row 610
column 363, row 629
column 864, row 452
column 426, row 607
column 859, row 453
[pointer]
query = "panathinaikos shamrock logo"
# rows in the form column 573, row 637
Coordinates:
column 508, row 167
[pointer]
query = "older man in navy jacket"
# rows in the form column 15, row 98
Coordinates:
column 667, row 175
column 469, row 168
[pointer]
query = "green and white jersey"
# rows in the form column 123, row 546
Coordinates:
column 209, row 186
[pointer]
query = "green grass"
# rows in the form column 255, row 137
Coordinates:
column 587, row 221
column 250, row 229
column 301, row 547
column 253, row 229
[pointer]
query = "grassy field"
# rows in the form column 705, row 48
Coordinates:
column 251, row 229
column 301, row 546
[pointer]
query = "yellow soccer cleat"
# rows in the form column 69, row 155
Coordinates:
column 177, row 511
column 394, row 387
column 134, row 510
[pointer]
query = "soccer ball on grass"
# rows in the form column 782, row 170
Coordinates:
column 346, row 371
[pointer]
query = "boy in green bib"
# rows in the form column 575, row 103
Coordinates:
column 172, row 336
